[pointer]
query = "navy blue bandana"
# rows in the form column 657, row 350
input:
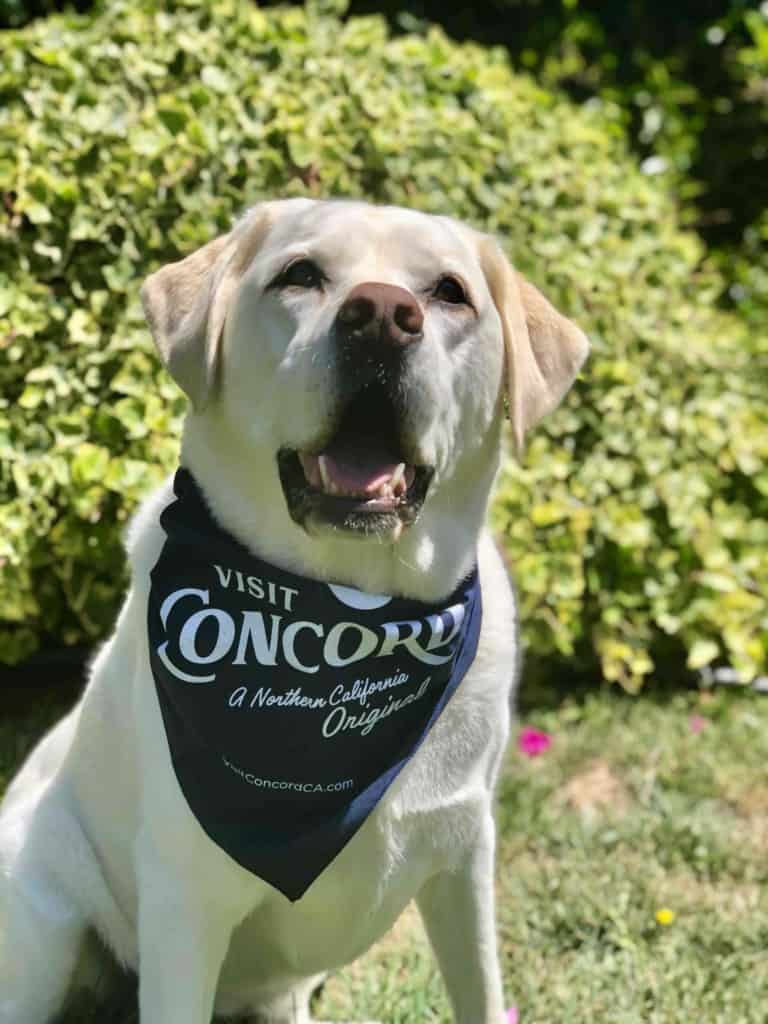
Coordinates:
column 290, row 705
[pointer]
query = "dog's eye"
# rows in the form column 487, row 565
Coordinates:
column 301, row 274
column 448, row 289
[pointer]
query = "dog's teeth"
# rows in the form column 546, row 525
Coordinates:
column 398, row 529
column 398, row 475
column 311, row 473
column 328, row 485
column 397, row 478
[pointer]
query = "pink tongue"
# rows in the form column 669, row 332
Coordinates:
column 358, row 474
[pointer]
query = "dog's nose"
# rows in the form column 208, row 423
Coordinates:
column 380, row 315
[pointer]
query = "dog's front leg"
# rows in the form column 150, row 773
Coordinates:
column 458, row 910
column 184, row 931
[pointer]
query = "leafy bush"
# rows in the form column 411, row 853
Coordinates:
column 641, row 512
column 14, row 13
column 675, row 77
column 746, row 266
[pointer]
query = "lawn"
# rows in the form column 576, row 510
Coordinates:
column 640, row 805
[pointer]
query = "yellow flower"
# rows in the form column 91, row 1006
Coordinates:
column 665, row 916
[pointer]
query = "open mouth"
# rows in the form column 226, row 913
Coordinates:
column 361, row 480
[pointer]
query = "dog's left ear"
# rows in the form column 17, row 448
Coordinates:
column 186, row 304
column 543, row 350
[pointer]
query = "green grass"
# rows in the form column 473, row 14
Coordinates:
column 630, row 811
column 27, row 711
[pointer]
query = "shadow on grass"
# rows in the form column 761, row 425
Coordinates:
column 547, row 684
column 120, row 1008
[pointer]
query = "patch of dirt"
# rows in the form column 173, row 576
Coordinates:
column 752, row 805
column 594, row 789
column 758, row 832
column 730, row 900
column 752, row 802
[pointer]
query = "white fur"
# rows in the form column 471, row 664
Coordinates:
column 94, row 831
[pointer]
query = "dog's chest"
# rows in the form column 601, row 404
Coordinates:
column 356, row 899
column 286, row 728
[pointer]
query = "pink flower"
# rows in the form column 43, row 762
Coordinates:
column 697, row 723
column 512, row 1017
column 532, row 742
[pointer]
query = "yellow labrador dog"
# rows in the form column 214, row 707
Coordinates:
column 297, row 725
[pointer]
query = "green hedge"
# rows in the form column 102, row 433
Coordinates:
column 674, row 73
column 639, row 521
column 14, row 13
column 679, row 79
column 746, row 266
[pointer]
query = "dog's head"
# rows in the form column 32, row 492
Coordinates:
column 353, row 360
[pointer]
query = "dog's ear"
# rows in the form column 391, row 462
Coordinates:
column 542, row 349
column 186, row 304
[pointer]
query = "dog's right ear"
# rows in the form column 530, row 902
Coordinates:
column 543, row 349
column 186, row 305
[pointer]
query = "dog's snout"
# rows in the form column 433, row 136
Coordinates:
column 380, row 314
